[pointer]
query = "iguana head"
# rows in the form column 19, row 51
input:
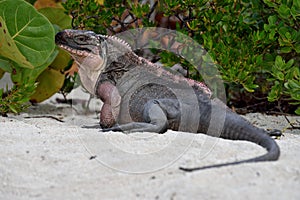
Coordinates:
column 92, row 52
column 81, row 45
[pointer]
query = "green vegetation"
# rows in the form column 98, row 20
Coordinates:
column 28, row 51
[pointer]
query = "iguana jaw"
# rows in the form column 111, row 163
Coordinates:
column 75, row 52
column 82, row 57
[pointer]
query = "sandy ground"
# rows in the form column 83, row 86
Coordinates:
column 43, row 158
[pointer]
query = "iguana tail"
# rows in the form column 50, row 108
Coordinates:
column 237, row 128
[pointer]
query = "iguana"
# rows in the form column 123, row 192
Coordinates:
column 141, row 96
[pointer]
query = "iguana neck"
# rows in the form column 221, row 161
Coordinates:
column 117, row 66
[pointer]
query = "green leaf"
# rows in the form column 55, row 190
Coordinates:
column 297, row 47
column 279, row 75
column 296, row 96
column 272, row 20
column 5, row 65
column 50, row 82
column 289, row 64
column 288, row 35
column 259, row 59
column 295, row 10
column 8, row 47
column 286, row 49
column 29, row 33
column 12, row 108
column 292, row 84
column 275, row 92
column 20, row 75
column 1, row 74
column 57, row 16
column 61, row 61
column 284, row 32
column 297, row 111
column 284, row 11
column 279, row 63
column 270, row 3
column 250, row 87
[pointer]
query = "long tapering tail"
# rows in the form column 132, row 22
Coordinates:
column 272, row 155
column 237, row 128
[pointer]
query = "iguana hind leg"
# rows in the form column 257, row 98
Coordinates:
column 155, row 120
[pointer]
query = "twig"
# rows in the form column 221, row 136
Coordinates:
column 45, row 116
column 291, row 124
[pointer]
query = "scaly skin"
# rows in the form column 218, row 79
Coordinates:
column 140, row 96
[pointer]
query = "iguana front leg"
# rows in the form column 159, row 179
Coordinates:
column 155, row 119
column 111, row 98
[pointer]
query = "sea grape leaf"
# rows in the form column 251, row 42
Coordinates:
column 1, row 74
column 50, row 81
column 61, row 61
column 57, row 16
column 29, row 33
column 5, row 65
column 19, row 75
column 9, row 49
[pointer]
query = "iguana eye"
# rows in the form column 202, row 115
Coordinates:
column 81, row 38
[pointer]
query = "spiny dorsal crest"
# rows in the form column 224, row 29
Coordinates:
column 118, row 40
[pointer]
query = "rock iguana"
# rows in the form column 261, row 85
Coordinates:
column 141, row 96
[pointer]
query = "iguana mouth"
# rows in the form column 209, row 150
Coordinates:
column 80, row 51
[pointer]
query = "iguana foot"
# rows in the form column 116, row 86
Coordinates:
column 137, row 127
column 275, row 133
column 91, row 126
column 114, row 128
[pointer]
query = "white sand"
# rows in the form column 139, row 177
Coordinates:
column 42, row 158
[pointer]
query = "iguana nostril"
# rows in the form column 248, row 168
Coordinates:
column 59, row 37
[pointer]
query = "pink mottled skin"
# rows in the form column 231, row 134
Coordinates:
column 111, row 99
